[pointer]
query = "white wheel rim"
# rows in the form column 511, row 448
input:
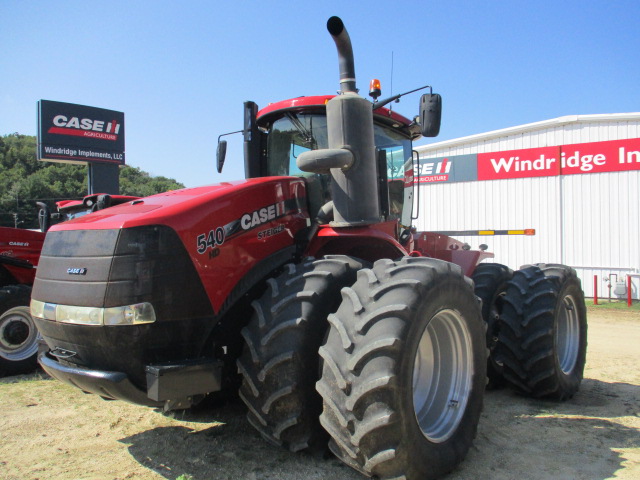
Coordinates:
column 442, row 375
column 18, row 336
column 568, row 335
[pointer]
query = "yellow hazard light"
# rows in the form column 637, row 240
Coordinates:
column 374, row 89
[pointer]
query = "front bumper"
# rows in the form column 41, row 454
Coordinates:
column 174, row 385
column 109, row 385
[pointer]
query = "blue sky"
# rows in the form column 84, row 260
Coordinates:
column 181, row 70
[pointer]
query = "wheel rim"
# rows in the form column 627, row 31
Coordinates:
column 18, row 336
column 442, row 375
column 568, row 335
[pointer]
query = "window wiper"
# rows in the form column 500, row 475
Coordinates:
column 307, row 135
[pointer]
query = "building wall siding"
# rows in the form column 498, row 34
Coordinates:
column 588, row 221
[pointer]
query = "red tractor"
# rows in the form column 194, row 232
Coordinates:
column 19, row 253
column 307, row 279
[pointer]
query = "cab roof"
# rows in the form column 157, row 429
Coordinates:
column 380, row 115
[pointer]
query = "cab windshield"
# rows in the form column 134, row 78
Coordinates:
column 289, row 137
column 295, row 133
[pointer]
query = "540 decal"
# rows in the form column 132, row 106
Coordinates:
column 210, row 240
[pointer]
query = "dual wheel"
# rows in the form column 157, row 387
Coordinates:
column 389, row 360
column 536, row 328
column 18, row 334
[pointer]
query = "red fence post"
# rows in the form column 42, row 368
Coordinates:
column 629, row 292
column 595, row 290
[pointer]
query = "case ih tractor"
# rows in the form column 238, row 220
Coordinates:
column 307, row 279
column 19, row 254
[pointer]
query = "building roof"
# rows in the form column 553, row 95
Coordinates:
column 529, row 127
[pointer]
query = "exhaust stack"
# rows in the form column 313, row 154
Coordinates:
column 351, row 156
column 345, row 55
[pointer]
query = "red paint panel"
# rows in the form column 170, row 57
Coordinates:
column 22, row 245
column 532, row 162
column 226, row 228
column 599, row 157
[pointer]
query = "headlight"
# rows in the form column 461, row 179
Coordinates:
column 136, row 314
column 130, row 314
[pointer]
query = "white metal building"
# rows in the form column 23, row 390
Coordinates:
column 574, row 179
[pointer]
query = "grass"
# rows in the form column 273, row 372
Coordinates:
column 37, row 376
column 604, row 304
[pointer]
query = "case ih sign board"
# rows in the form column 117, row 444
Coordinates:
column 79, row 134
column 597, row 157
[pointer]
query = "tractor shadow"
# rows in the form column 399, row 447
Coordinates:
column 518, row 437
column 229, row 449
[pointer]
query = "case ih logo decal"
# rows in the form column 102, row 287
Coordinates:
column 435, row 171
column 85, row 128
column 459, row 168
column 217, row 236
column 262, row 215
column 597, row 157
column 79, row 134
column 77, row 271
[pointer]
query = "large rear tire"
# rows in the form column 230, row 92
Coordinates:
column 280, row 363
column 543, row 331
column 490, row 281
column 404, row 370
column 18, row 333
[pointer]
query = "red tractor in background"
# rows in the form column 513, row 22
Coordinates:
column 19, row 254
column 308, row 281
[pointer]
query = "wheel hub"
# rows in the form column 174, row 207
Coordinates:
column 16, row 333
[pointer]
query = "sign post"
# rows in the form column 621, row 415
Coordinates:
column 70, row 133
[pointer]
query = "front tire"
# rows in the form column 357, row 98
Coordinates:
column 18, row 333
column 404, row 369
column 280, row 363
column 543, row 331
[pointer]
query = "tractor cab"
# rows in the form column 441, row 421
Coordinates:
column 278, row 134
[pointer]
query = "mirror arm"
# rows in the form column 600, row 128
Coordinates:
column 221, row 156
column 386, row 101
column 230, row 133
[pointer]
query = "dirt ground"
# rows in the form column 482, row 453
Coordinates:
column 51, row 431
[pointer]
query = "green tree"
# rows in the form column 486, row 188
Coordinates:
column 24, row 180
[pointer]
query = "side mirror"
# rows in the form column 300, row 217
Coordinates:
column 44, row 217
column 221, row 154
column 430, row 114
column 104, row 201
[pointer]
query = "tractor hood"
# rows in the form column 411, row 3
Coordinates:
column 185, row 208
column 222, row 230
